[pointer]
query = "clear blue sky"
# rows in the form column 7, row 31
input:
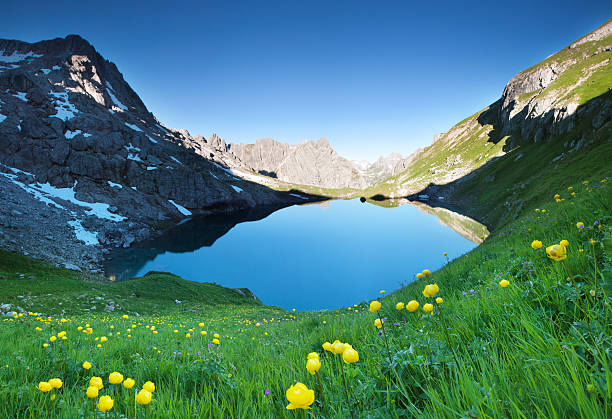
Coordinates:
column 372, row 77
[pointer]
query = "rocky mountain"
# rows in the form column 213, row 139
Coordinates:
column 313, row 163
column 382, row 168
column 84, row 166
column 557, row 111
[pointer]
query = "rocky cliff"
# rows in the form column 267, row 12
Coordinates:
column 313, row 163
column 84, row 166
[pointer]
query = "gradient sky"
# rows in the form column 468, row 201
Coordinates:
column 372, row 77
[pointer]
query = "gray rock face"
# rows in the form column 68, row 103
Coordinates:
column 308, row 163
column 534, row 105
column 91, row 165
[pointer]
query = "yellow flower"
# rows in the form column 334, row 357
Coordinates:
column 96, row 382
column 313, row 355
column 92, row 392
column 216, row 341
column 428, row 307
column 557, row 196
column 86, row 365
column 61, row 334
column 445, row 253
column 580, row 225
column 350, row 356
column 188, row 335
column 216, row 336
column 378, row 323
column 570, row 188
column 439, row 300
column 201, row 324
column 556, row 252
column 56, row 383
column 125, row 316
column 115, row 378
column 105, row 403
column 327, row 346
column 431, row 290
column 504, row 283
column 300, row 397
column 412, row 306
column 382, row 291
column 564, row 243
column 419, row 275
column 45, row 345
column 103, row 339
column 536, row 244
column 44, row 386
column 375, row 306
column 52, row 338
column 143, row 397
column 313, row 365
column 337, row 347
column 399, row 306
column 149, row 386
column 426, row 272
column 128, row 383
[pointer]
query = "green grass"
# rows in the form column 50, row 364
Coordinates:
column 521, row 351
column 29, row 283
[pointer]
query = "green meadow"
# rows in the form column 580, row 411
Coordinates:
column 515, row 333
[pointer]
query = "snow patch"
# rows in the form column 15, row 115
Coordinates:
column 181, row 209
column 85, row 236
column 16, row 57
column 114, row 185
column 45, row 70
column 20, row 95
column 55, row 67
column 97, row 209
column 298, row 196
column 134, row 157
column 116, row 101
column 175, row 159
column 226, row 170
column 236, row 188
column 151, row 139
column 71, row 134
column 134, row 127
column 152, row 168
column 2, row 118
column 65, row 109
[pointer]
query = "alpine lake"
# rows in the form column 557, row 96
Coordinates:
column 314, row 256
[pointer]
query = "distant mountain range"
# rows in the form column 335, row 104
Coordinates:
column 85, row 167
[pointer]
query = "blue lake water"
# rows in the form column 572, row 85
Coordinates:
column 309, row 257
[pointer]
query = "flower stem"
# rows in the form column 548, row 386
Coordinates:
column 346, row 392
column 382, row 325
column 320, row 389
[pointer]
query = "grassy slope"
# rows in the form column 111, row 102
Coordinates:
column 36, row 286
column 522, row 351
column 589, row 76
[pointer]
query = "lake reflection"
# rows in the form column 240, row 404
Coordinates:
column 317, row 256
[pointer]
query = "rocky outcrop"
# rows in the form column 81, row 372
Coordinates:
column 308, row 163
column 89, row 161
column 541, row 101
